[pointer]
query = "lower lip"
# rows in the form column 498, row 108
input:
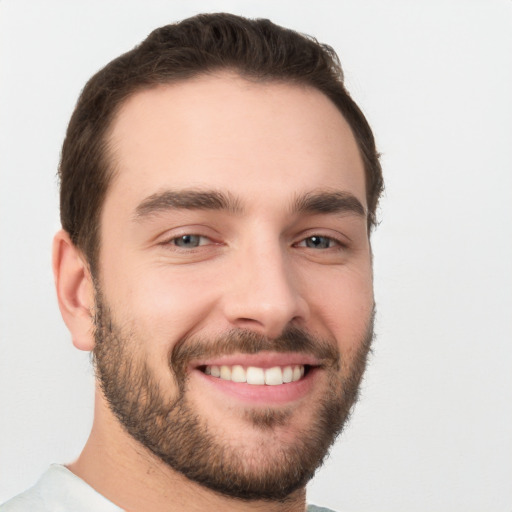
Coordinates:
column 263, row 394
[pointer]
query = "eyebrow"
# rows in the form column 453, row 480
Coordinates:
column 329, row 202
column 186, row 200
column 321, row 202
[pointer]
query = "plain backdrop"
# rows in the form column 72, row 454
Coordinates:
column 433, row 429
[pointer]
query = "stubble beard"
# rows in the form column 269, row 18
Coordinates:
column 183, row 439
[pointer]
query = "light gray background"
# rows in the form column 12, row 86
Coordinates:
column 433, row 431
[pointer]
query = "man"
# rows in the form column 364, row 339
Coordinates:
column 218, row 188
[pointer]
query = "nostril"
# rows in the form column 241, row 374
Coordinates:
column 266, row 303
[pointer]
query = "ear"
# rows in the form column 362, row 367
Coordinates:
column 75, row 290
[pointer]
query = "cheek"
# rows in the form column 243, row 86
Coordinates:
column 161, row 305
column 344, row 306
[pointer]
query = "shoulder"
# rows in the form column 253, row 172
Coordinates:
column 23, row 502
column 59, row 489
column 314, row 508
column 32, row 499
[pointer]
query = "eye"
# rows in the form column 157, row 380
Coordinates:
column 318, row 242
column 189, row 241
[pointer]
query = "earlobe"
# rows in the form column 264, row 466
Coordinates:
column 75, row 290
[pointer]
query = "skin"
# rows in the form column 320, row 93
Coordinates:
column 264, row 145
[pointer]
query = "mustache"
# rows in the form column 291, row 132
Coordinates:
column 293, row 339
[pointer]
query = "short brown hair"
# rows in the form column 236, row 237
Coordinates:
column 256, row 49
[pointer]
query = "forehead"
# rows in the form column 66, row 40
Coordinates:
column 225, row 132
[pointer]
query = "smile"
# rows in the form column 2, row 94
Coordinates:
column 257, row 376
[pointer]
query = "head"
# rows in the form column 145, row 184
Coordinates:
column 257, row 50
column 219, row 185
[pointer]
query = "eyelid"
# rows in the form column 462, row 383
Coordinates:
column 334, row 243
column 171, row 239
column 201, row 239
column 165, row 238
column 338, row 238
column 172, row 253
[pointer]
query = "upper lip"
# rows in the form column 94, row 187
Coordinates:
column 259, row 360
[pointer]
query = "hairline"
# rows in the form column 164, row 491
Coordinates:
column 107, row 153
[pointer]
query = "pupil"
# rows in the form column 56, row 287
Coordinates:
column 318, row 242
column 187, row 241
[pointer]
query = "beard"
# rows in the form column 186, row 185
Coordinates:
column 175, row 431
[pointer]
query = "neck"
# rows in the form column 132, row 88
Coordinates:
column 129, row 475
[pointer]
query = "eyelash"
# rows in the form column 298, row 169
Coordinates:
column 173, row 241
column 331, row 241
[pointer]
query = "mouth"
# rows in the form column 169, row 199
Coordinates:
column 258, row 379
column 257, row 376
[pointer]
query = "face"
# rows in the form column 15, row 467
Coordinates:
column 234, row 295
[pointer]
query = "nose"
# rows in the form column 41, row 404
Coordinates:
column 263, row 293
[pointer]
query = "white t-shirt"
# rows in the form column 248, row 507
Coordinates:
column 60, row 490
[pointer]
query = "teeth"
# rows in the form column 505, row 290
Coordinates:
column 287, row 374
column 225, row 372
column 274, row 376
column 257, row 376
column 238, row 374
